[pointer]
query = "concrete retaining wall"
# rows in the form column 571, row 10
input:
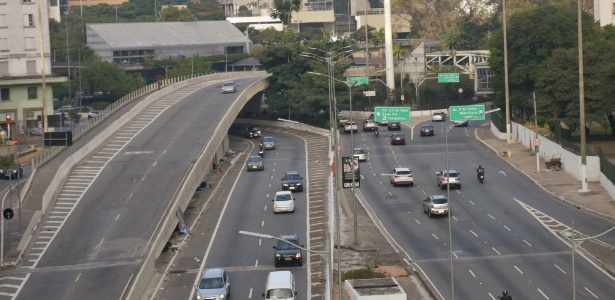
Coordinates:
column 283, row 123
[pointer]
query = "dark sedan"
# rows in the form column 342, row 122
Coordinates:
column 394, row 126
column 11, row 172
column 398, row 139
column 427, row 130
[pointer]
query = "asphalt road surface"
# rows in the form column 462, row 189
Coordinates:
column 502, row 231
column 106, row 214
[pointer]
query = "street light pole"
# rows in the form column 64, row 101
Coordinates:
column 324, row 254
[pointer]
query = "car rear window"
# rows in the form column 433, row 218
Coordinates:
column 451, row 175
column 404, row 173
column 439, row 201
column 292, row 177
column 268, row 139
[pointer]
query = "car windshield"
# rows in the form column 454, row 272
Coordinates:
column 230, row 83
column 404, row 172
column 358, row 151
column 279, row 294
column 268, row 139
column 254, row 159
column 254, row 129
column 292, row 177
column 211, row 283
column 439, row 201
column 283, row 197
column 287, row 246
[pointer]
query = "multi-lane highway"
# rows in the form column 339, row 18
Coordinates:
column 95, row 236
column 504, row 232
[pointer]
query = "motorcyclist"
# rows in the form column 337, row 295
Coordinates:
column 376, row 132
column 261, row 150
column 505, row 296
column 480, row 170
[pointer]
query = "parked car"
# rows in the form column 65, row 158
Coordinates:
column 292, row 181
column 398, row 139
column 286, row 253
column 253, row 132
column 438, row 117
column 394, row 126
column 13, row 172
column 350, row 126
column 427, row 129
column 268, row 143
column 369, row 125
column 446, row 177
column 435, row 205
column 359, row 154
column 401, row 176
column 229, row 87
column 214, row 284
column 66, row 108
column 283, row 201
column 255, row 163
column 93, row 113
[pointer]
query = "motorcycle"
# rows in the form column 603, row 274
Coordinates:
column 261, row 152
column 480, row 174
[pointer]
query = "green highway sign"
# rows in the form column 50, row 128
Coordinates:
column 392, row 114
column 448, row 77
column 358, row 80
column 467, row 112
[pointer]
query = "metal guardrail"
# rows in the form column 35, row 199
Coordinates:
column 51, row 152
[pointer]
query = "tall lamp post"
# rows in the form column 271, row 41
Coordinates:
column 80, row 70
column 324, row 254
column 575, row 243
column 450, row 207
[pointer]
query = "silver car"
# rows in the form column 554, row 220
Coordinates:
column 255, row 163
column 435, row 205
column 402, row 176
column 359, row 154
column 448, row 177
column 214, row 284
column 268, row 143
column 229, row 87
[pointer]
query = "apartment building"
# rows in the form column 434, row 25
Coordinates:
column 604, row 12
column 22, row 92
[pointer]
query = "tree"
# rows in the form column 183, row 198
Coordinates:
column 267, row 37
column 99, row 76
column 172, row 13
column 191, row 65
column 244, row 11
column 532, row 37
column 282, row 9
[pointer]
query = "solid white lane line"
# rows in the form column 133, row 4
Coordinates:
column 527, row 243
column 491, row 216
column 507, row 228
column 472, row 273
column 496, row 251
column 519, row 270
column 591, row 292
column 559, row 268
column 543, row 294
column 476, row 235
column 435, row 236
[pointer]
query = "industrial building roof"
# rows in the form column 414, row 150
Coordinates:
column 160, row 34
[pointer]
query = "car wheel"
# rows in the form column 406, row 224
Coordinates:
column 411, row 183
column 394, row 183
column 429, row 213
column 276, row 264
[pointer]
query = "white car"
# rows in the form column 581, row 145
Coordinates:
column 438, row 117
column 359, row 154
column 284, row 201
column 402, row 176
column 446, row 177
column 350, row 126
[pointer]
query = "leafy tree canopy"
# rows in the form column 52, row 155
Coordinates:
column 173, row 13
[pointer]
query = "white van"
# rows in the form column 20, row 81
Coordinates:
column 280, row 285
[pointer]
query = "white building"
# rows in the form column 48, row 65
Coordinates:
column 21, row 67
column 604, row 11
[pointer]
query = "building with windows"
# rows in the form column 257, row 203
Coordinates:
column 26, row 83
column 130, row 44
column 604, row 12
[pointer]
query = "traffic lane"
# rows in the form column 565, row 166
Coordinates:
column 83, row 282
column 142, row 181
column 250, row 209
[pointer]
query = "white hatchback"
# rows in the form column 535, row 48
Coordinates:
column 284, row 201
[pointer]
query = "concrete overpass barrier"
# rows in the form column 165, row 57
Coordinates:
column 193, row 178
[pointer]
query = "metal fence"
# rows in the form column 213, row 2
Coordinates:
column 606, row 167
column 498, row 122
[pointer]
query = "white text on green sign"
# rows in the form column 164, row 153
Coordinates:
column 391, row 114
column 467, row 112
column 358, row 80
column 448, row 77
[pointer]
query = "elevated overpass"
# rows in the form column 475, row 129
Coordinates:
column 44, row 186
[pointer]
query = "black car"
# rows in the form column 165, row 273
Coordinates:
column 427, row 130
column 394, row 126
column 286, row 253
column 292, row 181
column 253, row 132
column 11, row 172
column 398, row 139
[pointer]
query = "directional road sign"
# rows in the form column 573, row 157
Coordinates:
column 448, row 77
column 467, row 112
column 392, row 114
column 358, row 80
